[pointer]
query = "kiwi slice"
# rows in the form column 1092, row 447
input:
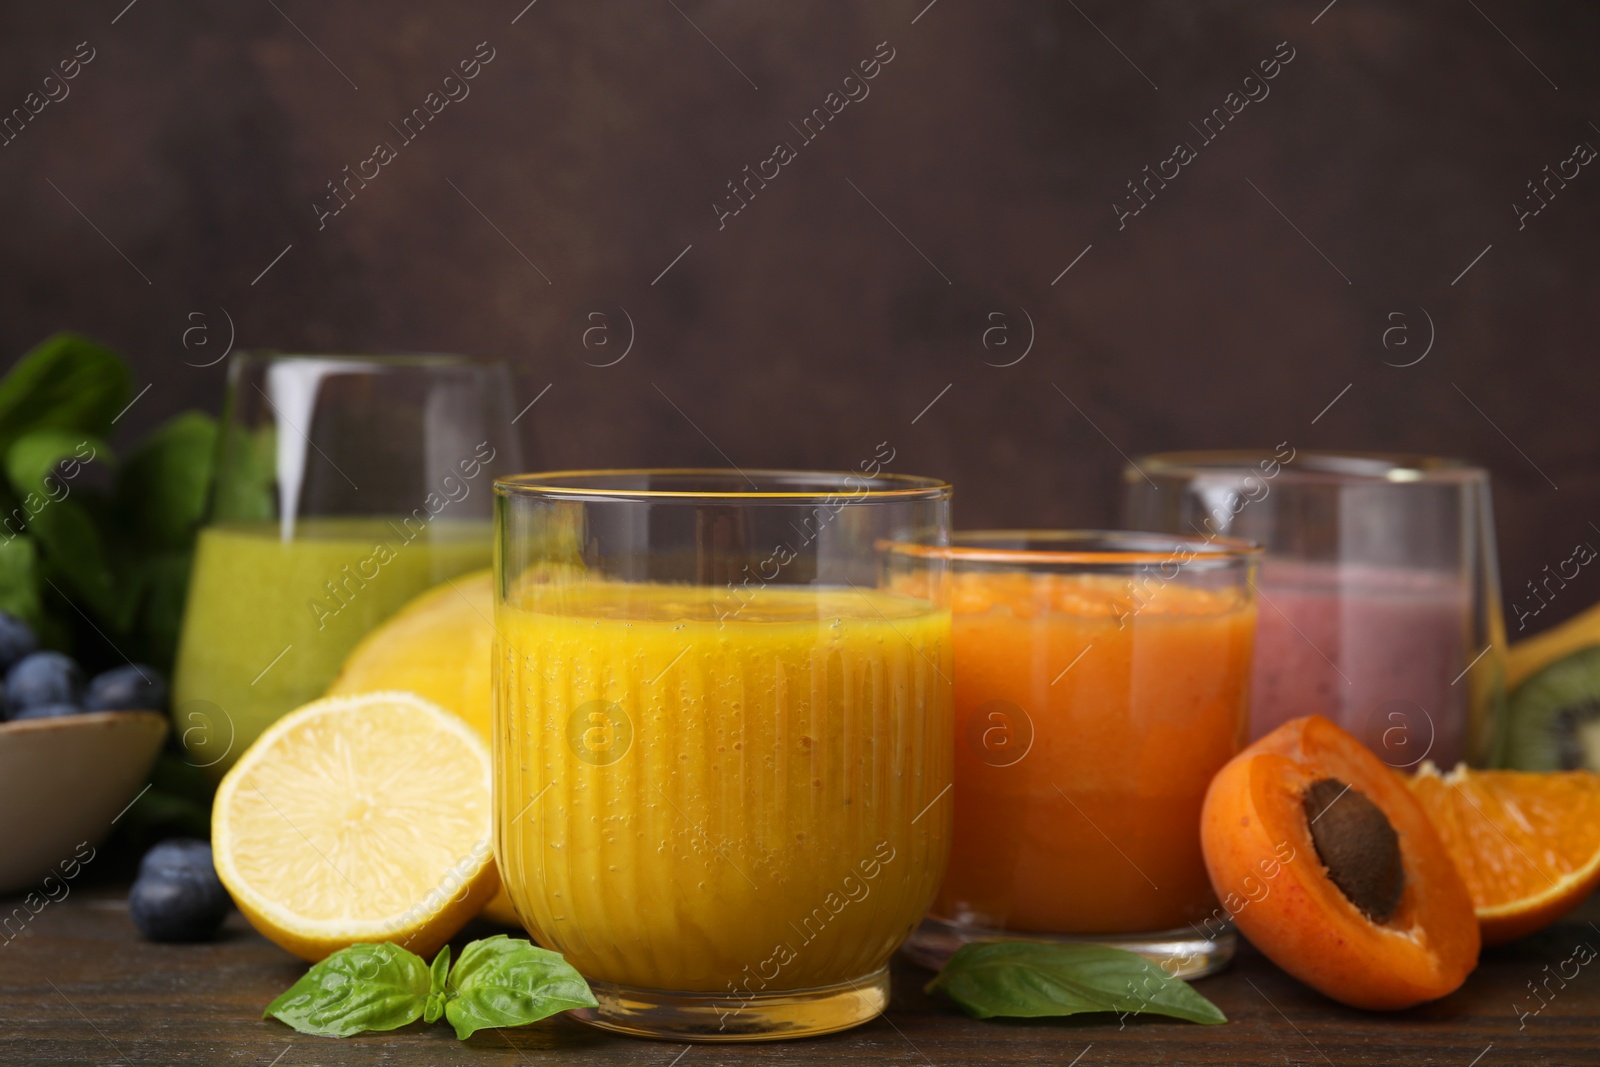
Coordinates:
column 1555, row 717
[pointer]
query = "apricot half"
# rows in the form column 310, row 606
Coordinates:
column 1331, row 868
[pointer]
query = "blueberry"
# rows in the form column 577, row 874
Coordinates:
column 43, row 678
column 177, row 854
column 177, row 896
column 46, row 711
column 17, row 639
column 128, row 688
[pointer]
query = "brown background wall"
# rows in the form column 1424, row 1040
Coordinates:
column 592, row 147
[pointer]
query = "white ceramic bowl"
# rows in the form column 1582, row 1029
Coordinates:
column 64, row 782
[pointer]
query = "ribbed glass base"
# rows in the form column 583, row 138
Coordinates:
column 1183, row 953
column 732, row 1017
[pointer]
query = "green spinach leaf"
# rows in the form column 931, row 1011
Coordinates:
column 48, row 462
column 155, row 586
column 19, row 576
column 67, row 382
column 70, row 543
column 43, row 467
column 250, row 458
column 161, row 488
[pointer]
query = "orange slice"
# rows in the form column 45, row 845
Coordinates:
column 1527, row 845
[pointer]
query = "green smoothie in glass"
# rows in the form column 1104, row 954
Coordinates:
column 346, row 485
column 270, row 621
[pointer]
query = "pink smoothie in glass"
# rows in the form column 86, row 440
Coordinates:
column 1378, row 651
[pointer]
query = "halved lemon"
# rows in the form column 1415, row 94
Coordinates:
column 440, row 646
column 1526, row 844
column 361, row 818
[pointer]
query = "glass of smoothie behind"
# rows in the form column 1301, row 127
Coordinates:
column 345, row 486
column 1101, row 680
column 1380, row 604
column 722, row 746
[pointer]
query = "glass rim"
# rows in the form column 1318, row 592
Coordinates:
column 1143, row 547
column 1310, row 465
column 826, row 487
column 366, row 359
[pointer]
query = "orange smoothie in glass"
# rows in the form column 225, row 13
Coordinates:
column 723, row 750
column 729, row 804
column 1095, row 697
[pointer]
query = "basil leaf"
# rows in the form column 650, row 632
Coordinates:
column 436, row 986
column 67, row 382
column 363, row 987
column 1028, row 980
column 503, row 982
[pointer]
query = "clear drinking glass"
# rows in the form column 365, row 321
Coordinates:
column 1380, row 594
column 345, row 486
column 722, row 748
column 1101, row 680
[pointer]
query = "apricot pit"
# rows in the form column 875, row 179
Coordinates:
column 1357, row 845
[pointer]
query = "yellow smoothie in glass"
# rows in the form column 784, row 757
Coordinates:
column 269, row 621
column 697, row 799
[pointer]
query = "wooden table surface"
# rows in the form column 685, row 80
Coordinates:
column 80, row 987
